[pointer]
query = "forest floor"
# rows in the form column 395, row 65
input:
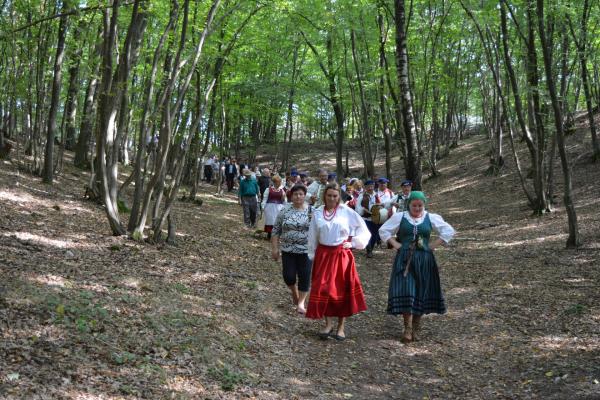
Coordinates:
column 84, row 315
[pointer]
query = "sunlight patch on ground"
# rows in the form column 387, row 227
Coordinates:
column 462, row 313
column 52, row 280
column 461, row 290
column 94, row 287
column 588, row 203
column 576, row 280
column 413, row 351
column 455, row 211
column 189, row 386
column 71, row 206
column 202, row 277
column 220, row 199
column 509, row 285
column 459, row 184
column 37, row 239
column 80, row 395
column 131, row 283
column 562, row 342
column 550, row 238
column 21, row 198
column 295, row 381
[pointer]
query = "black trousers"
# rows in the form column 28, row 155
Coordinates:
column 296, row 265
column 229, row 179
column 208, row 172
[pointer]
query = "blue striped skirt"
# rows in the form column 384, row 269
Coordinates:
column 420, row 292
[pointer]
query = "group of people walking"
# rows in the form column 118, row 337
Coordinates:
column 315, row 226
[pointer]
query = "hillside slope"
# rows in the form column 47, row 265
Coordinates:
column 87, row 315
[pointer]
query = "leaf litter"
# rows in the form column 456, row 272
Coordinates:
column 86, row 314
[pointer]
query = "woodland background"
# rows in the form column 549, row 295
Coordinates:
column 488, row 106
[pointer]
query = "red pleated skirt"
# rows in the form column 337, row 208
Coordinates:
column 335, row 286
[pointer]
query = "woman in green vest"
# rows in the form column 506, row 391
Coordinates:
column 415, row 288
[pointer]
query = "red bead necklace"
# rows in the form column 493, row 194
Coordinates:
column 328, row 216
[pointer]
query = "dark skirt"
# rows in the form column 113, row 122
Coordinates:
column 420, row 292
column 335, row 286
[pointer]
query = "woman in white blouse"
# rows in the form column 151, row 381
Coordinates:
column 415, row 288
column 274, row 198
column 335, row 286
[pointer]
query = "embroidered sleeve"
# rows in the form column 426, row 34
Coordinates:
column 359, row 230
column 441, row 227
column 313, row 236
column 265, row 198
column 390, row 227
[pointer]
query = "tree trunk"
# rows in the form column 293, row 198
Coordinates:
column 167, row 117
column 573, row 239
column 541, row 204
column 413, row 161
column 88, row 114
column 387, row 136
column 435, row 130
column 582, row 53
column 289, row 126
column 48, row 173
column 364, row 112
column 73, row 92
column 110, row 99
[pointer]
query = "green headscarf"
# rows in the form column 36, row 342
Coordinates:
column 417, row 195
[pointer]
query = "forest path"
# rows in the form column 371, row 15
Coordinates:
column 87, row 315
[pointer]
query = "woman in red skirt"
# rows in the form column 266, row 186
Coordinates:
column 335, row 286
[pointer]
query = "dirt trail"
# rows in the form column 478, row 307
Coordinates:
column 87, row 315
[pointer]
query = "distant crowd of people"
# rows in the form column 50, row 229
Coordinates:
column 314, row 224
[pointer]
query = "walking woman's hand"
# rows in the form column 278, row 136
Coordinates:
column 275, row 254
column 394, row 243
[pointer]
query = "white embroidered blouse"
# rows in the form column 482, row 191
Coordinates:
column 441, row 227
column 334, row 232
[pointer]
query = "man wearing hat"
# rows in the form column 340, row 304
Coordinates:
column 382, row 199
column 264, row 181
column 248, row 195
column 383, row 192
column 331, row 177
column 401, row 200
column 304, row 178
column 316, row 189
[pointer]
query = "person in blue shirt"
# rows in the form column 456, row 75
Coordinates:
column 248, row 198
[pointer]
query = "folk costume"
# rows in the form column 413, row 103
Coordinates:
column 415, row 282
column 366, row 204
column 316, row 189
column 336, row 288
column 401, row 198
column 273, row 201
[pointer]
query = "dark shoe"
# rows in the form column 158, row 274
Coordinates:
column 338, row 337
column 369, row 254
column 325, row 335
